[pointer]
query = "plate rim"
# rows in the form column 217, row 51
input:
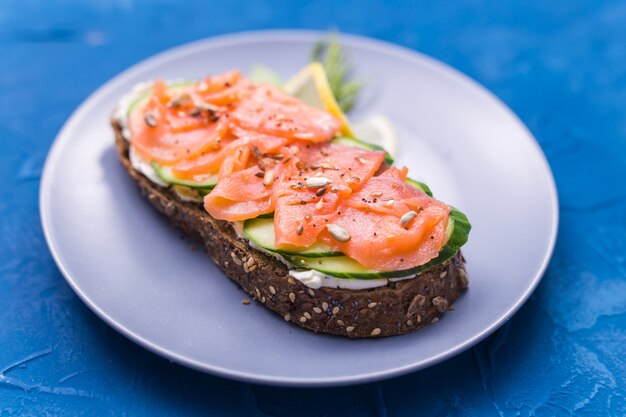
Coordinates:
column 262, row 36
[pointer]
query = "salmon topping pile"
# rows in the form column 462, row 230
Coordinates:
column 273, row 153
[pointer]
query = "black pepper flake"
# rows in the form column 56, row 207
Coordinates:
column 321, row 192
column 259, row 175
column 257, row 152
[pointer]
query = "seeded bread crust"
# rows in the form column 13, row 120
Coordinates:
column 397, row 308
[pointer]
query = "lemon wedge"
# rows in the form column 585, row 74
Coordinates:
column 310, row 85
column 377, row 130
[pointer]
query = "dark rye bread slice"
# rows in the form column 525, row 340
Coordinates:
column 397, row 308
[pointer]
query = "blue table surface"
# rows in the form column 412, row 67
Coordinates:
column 560, row 65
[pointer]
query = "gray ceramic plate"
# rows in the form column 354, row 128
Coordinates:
column 133, row 270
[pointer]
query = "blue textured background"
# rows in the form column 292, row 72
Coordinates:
column 561, row 66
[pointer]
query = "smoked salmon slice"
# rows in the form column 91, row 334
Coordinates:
column 383, row 236
column 315, row 181
column 165, row 134
column 272, row 112
column 241, row 195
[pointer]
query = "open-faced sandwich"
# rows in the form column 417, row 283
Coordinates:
column 313, row 223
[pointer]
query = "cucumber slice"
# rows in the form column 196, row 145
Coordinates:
column 261, row 233
column 419, row 185
column 166, row 175
column 344, row 267
column 260, row 74
column 338, row 267
column 343, row 140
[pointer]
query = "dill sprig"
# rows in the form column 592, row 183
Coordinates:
column 338, row 70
